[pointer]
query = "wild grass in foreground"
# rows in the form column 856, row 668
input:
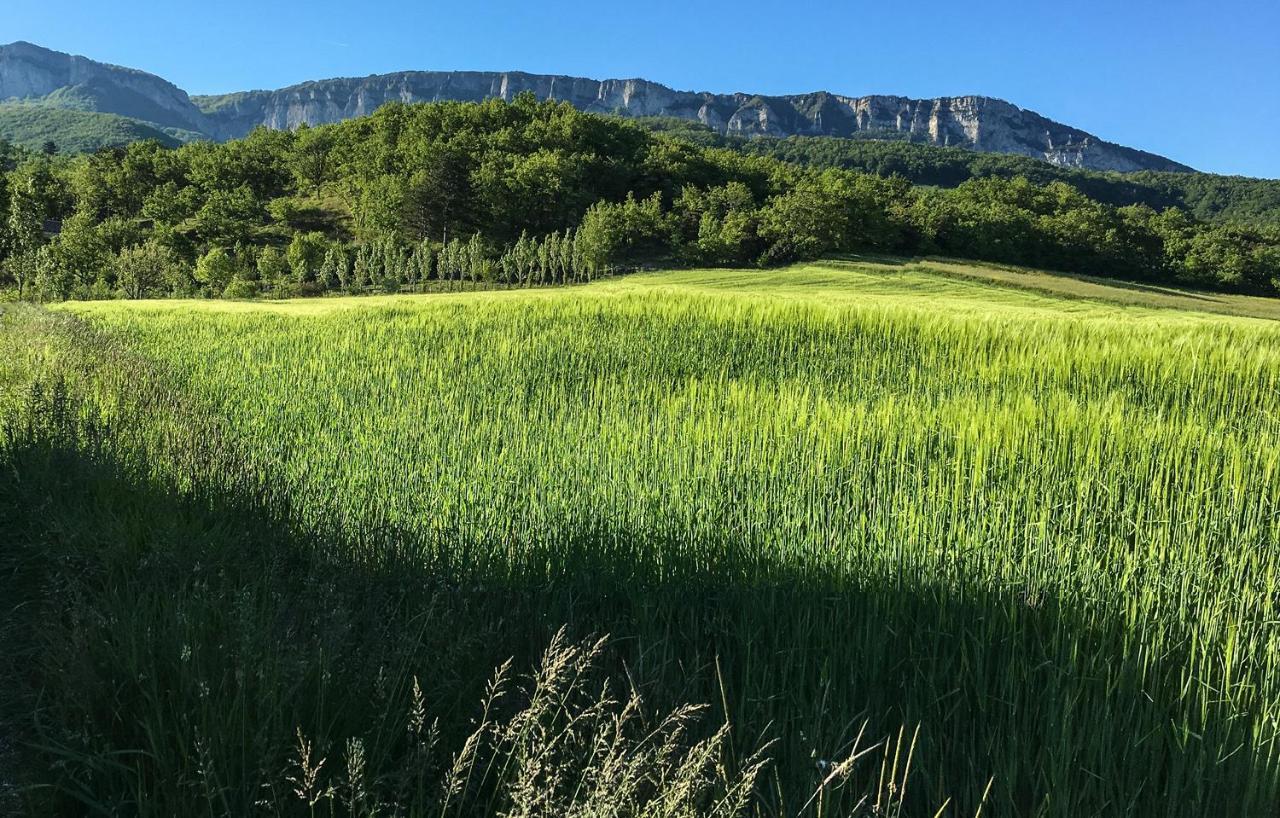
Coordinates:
column 847, row 501
column 126, row 584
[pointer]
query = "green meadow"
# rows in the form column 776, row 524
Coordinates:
column 1006, row 543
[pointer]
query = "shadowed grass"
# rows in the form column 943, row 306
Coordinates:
column 1043, row 531
column 184, row 637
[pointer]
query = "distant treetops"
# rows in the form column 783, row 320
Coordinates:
column 530, row 193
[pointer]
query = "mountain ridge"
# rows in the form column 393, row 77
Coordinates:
column 985, row 124
column 32, row 72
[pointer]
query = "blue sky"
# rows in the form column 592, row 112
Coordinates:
column 1196, row 81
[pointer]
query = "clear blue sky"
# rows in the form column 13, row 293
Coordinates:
column 1196, row 81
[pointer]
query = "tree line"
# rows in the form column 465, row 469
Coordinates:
column 1208, row 196
column 534, row 193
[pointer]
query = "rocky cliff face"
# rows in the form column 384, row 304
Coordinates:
column 29, row 72
column 977, row 123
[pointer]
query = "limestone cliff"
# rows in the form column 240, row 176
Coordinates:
column 978, row 123
column 29, row 72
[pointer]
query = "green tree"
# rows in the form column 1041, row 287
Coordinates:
column 439, row 199
column 306, row 254
column 20, row 268
column 26, row 219
column 272, row 266
column 230, row 216
column 214, row 270
column 807, row 221
column 333, row 270
column 310, row 158
column 6, row 246
column 146, row 269
column 83, row 250
column 171, row 204
column 54, row 278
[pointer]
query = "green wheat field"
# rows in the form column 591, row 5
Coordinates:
column 915, row 538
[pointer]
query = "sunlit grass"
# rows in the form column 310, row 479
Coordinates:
column 920, row 283
column 1045, row 528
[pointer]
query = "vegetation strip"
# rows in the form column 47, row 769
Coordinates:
column 421, row 197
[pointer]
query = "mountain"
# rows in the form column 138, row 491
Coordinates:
column 31, row 73
column 973, row 122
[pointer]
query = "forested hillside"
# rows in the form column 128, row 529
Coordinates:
column 33, row 125
column 534, row 193
column 1206, row 196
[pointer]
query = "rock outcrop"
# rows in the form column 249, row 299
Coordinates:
column 29, row 72
column 973, row 122
column 977, row 123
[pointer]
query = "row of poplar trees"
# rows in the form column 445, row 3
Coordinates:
column 558, row 258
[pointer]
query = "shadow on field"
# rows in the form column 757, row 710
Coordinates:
column 161, row 648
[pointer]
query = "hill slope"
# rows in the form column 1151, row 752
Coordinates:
column 31, row 125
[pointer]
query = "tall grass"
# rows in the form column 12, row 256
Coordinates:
column 1045, row 539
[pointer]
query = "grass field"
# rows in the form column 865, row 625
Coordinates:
column 1018, row 533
